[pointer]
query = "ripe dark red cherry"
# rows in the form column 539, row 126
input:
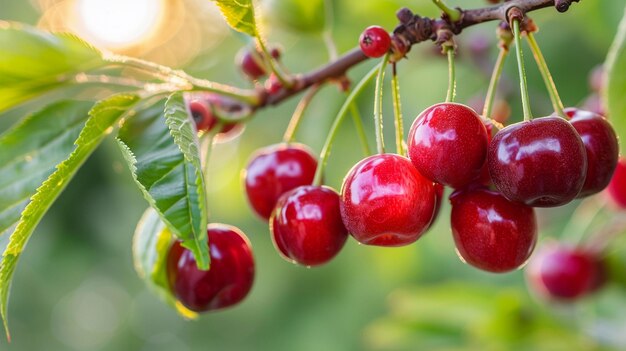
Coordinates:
column 385, row 201
column 203, row 116
column 448, row 144
column 306, row 225
column 563, row 273
column 541, row 162
column 490, row 232
column 227, row 282
column 252, row 64
column 617, row 186
column 274, row 170
column 601, row 145
column 375, row 41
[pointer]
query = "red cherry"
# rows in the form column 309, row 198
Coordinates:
column 386, row 202
column 204, row 118
column 274, row 170
column 601, row 145
column 273, row 84
column 252, row 65
column 227, row 282
column 375, row 41
column 490, row 232
column 617, row 186
column 541, row 162
column 448, row 144
column 562, row 273
column 306, row 225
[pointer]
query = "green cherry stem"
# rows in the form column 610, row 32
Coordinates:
column 397, row 111
column 269, row 60
column 453, row 14
column 360, row 131
column 296, row 118
column 493, row 83
column 319, row 172
column 557, row 104
column 451, row 74
column 522, row 71
column 378, row 106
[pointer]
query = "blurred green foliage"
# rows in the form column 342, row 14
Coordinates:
column 76, row 289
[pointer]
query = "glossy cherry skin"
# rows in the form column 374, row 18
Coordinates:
column 274, row 170
column 617, row 186
column 541, row 162
column 385, row 201
column 448, row 144
column 306, row 225
column 375, row 41
column 490, row 232
column 226, row 283
column 204, row 118
column 563, row 273
column 601, row 146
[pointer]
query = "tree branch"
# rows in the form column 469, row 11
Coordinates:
column 412, row 30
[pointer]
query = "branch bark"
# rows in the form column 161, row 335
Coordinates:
column 412, row 30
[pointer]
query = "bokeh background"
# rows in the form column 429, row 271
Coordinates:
column 75, row 288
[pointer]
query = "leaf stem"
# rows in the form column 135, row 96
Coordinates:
column 397, row 111
column 296, row 118
column 451, row 74
column 522, row 71
column 360, row 131
column 453, row 14
column 493, row 83
column 319, row 173
column 557, row 104
column 378, row 105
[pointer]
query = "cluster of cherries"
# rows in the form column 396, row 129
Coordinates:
column 391, row 200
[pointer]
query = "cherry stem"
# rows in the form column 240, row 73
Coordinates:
column 269, row 60
column 358, row 124
column 493, row 83
column 557, row 104
column 449, row 49
column 180, row 81
column 319, row 172
column 453, row 14
column 522, row 71
column 296, row 118
column 378, row 106
column 209, row 139
column 397, row 111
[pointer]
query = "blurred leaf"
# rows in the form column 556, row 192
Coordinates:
column 616, row 82
column 151, row 244
column 102, row 118
column 31, row 150
column 33, row 62
column 464, row 316
column 171, row 184
column 239, row 15
column 299, row 15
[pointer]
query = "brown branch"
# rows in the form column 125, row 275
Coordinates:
column 413, row 29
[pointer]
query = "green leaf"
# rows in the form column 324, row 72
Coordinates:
column 102, row 118
column 239, row 14
column 151, row 244
column 169, row 176
column 33, row 62
column 616, row 83
column 30, row 152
